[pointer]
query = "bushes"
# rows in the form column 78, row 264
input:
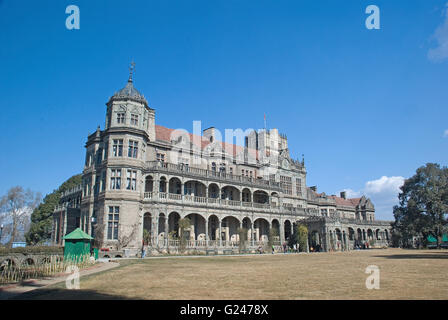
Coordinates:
column 32, row 250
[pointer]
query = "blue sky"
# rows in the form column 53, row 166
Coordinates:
column 366, row 107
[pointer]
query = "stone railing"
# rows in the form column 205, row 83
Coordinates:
column 211, row 243
column 63, row 206
column 213, row 202
column 71, row 191
column 210, row 174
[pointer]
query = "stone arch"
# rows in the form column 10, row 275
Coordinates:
column 377, row 234
column 173, row 224
column 149, row 183
column 246, row 195
column 230, row 193
column 369, row 234
column 287, row 228
column 315, row 240
column 261, row 229
column 213, row 227
column 162, row 184
column 351, row 234
column 275, row 199
column 147, row 226
column 275, row 225
column 260, row 196
column 197, row 228
column 194, row 187
column 247, row 224
column 28, row 261
column 175, row 186
column 229, row 226
column 8, row 262
column 359, row 232
column 213, row 191
column 161, row 232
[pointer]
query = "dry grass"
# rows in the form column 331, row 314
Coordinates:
column 405, row 274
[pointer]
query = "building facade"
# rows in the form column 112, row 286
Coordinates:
column 141, row 178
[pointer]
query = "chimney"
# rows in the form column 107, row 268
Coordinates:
column 314, row 188
column 343, row 195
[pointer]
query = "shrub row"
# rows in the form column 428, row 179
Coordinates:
column 32, row 250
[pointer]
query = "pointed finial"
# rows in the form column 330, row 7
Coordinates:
column 131, row 70
column 303, row 159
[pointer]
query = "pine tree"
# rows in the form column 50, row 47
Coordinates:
column 42, row 216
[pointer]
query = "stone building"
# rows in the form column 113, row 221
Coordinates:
column 142, row 176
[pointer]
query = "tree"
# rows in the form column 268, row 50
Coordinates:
column 423, row 204
column 302, row 237
column 15, row 206
column 42, row 216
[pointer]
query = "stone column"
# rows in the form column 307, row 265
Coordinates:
column 156, row 230
column 220, row 232
column 327, row 241
column 282, row 232
column 206, row 231
column 166, row 231
column 252, row 237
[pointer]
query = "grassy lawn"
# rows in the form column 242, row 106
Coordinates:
column 404, row 274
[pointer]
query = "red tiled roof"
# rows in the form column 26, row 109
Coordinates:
column 353, row 202
column 168, row 134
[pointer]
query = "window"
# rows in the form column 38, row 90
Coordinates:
column 112, row 223
column 131, row 180
column 134, row 119
column 106, row 151
column 133, row 149
column 286, row 184
column 115, row 179
column 298, row 186
column 99, row 156
column 268, row 151
column 103, row 180
column 118, row 148
column 231, row 171
column 121, row 117
column 161, row 157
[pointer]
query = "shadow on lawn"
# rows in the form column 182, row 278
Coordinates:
column 65, row 294
column 422, row 255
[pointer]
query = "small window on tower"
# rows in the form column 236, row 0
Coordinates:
column 120, row 117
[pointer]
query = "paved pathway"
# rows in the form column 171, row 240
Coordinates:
column 11, row 291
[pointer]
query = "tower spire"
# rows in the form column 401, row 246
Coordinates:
column 131, row 70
